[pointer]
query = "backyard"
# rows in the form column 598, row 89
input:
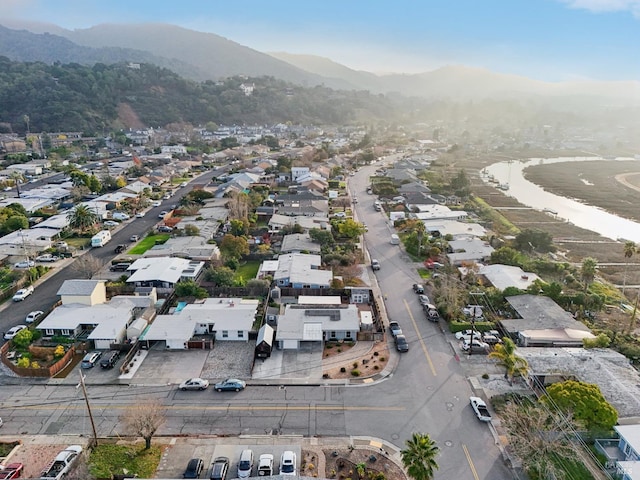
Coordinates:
column 147, row 242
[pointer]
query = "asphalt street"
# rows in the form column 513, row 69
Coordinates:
column 428, row 392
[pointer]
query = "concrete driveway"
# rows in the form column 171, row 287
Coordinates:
column 305, row 362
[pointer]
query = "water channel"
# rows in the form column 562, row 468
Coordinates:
column 585, row 216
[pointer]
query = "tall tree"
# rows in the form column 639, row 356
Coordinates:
column 505, row 354
column 82, row 217
column 629, row 249
column 588, row 271
column 419, row 456
column 144, row 419
column 17, row 178
column 234, row 247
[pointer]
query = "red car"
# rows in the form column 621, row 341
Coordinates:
column 13, row 470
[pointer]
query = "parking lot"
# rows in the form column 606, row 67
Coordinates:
column 176, row 456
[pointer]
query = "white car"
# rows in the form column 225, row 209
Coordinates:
column 110, row 223
column 62, row 245
column 26, row 264
column 156, row 203
column 462, row 335
column 162, row 214
column 23, row 293
column 33, row 316
column 13, row 331
column 47, row 258
column 288, row 464
column 140, row 214
column 194, row 384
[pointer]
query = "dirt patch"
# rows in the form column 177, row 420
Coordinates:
column 347, row 361
column 361, row 464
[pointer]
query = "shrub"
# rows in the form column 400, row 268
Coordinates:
column 35, row 365
column 342, row 369
column 382, row 359
column 24, row 362
column 355, row 372
column 485, row 376
column 23, row 338
column 355, row 364
column 375, row 354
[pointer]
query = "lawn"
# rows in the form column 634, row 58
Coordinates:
column 248, row 271
column 147, row 242
column 78, row 242
column 108, row 460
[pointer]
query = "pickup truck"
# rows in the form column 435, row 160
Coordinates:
column 62, row 463
column 12, row 470
column 480, row 409
column 23, row 293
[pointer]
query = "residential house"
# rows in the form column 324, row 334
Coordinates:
column 300, row 270
column 298, row 243
column 297, row 172
column 278, row 222
column 304, row 324
column 623, row 453
column 442, row 228
column 163, row 272
column 504, row 276
column 469, row 250
column 437, row 212
column 193, row 248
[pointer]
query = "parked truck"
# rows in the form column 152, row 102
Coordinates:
column 12, row 470
column 62, row 464
column 480, row 409
column 101, row 238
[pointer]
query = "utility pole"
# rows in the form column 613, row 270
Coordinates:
column 86, row 399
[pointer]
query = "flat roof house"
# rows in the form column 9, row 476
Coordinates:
column 163, row 272
column 299, row 270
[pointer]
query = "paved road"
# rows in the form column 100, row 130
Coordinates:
column 427, row 393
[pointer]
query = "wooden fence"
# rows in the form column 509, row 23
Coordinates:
column 37, row 372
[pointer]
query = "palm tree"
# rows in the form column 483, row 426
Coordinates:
column 82, row 217
column 419, row 457
column 18, row 178
column 588, row 271
column 629, row 250
column 505, row 354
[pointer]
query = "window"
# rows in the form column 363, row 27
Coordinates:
column 49, row 332
column 240, row 334
column 66, row 332
column 348, row 334
column 225, row 333
column 332, row 334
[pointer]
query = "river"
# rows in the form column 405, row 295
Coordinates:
column 584, row 216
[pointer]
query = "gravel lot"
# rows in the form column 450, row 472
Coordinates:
column 229, row 359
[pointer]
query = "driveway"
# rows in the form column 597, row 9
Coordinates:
column 305, row 362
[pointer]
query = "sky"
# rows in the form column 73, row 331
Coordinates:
column 551, row 40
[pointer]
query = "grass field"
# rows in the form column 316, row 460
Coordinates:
column 147, row 242
column 248, row 271
column 108, row 460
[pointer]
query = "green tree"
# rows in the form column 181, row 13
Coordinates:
column 419, row 456
column 221, row 276
column 507, row 256
column 191, row 230
column 588, row 271
column 82, row 217
column 13, row 223
column 585, row 402
column 234, row 247
column 23, row 338
column 351, row 229
column 534, row 240
column 189, row 288
column 505, row 354
column 629, row 249
column 323, row 237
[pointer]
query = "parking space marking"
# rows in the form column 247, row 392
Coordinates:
column 424, row 345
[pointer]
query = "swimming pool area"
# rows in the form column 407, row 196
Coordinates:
column 180, row 306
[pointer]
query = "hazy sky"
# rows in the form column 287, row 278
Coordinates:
column 543, row 39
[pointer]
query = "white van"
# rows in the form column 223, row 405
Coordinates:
column 101, row 238
column 395, row 239
column 120, row 216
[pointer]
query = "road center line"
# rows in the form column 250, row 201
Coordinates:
column 471, row 465
column 98, row 406
column 424, row 345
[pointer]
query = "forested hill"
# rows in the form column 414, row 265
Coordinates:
column 82, row 98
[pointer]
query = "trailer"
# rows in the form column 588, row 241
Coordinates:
column 101, row 238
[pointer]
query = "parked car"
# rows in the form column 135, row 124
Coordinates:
column 110, row 223
column 33, row 316
column 157, row 203
column 11, row 470
column 395, row 329
column 47, row 258
column 473, row 311
column 61, row 245
column 90, row 359
column 424, row 300
column 134, row 238
column 476, row 347
column 162, row 214
column 140, row 214
column 491, row 339
column 219, row 468
column 25, row 264
column 288, row 463
column 265, row 465
column 165, row 229
column 110, row 359
column 401, row 343
column 230, row 384
column 463, row 334
column 119, row 267
column 375, row 264
column 194, row 384
column 120, row 248
column 194, row 468
column 22, row 294
column 480, row 409
column 418, row 288
column 13, row 331
column 431, row 312
column 245, row 465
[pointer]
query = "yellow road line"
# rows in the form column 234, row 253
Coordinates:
column 424, row 345
column 97, row 406
column 471, row 465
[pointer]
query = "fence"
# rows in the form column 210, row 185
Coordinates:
column 37, row 372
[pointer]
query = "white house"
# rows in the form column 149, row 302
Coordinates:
column 163, row 272
column 299, row 270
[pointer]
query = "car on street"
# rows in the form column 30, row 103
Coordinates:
column 157, row 203
column 13, row 331
column 162, row 214
column 288, row 463
column 140, row 214
column 431, row 312
column 194, row 384
column 47, row 258
column 424, row 300
column 33, row 316
column 194, row 468
column 165, row 229
column 110, row 359
column 119, row 267
column 110, row 223
column 394, row 328
column 134, row 238
column 90, row 359
column 120, row 248
column 219, row 468
column 265, row 465
column 480, row 409
column 401, row 343
column 418, row 288
column 375, row 264
column 230, row 384
column 25, row 264
column 22, row 294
